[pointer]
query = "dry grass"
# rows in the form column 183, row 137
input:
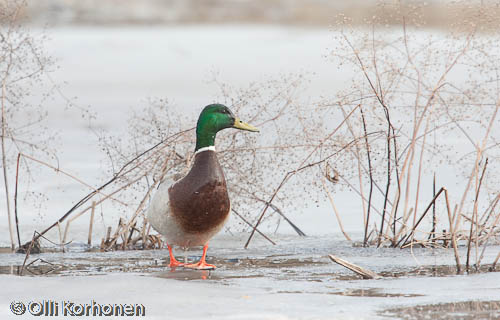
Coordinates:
column 414, row 89
column 23, row 64
column 382, row 137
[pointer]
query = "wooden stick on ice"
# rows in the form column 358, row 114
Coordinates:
column 365, row 273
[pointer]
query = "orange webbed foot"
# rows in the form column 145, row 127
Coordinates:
column 202, row 264
column 173, row 262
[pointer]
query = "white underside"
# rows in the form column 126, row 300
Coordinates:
column 160, row 217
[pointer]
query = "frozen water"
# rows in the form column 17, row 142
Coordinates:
column 292, row 280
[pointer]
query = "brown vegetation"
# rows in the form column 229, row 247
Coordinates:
column 381, row 138
column 23, row 63
column 412, row 89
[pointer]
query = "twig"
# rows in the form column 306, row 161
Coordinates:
column 248, row 223
column 420, row 171
column 365, row 241
column 60, row 237
column 474, row 223
column 145, row 232
column 490, row 233
column 28, row 252
column 432, row 234
column 15, row 200
column 116, row 235
column 294, row 226
column 386, row 195
column 452, row 231
column 278, row 211
column 490, row 209
column 91, row 223
column 4, row 168
column 339, row 220
column 108, row 234
column 420, row 219
column 130, row 234
column 358, row 158
column 365, row 273
column 493, row 266
column 396, row 205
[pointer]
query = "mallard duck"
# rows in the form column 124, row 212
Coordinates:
column 190, row 211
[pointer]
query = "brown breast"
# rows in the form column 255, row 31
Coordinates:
column 200, row 201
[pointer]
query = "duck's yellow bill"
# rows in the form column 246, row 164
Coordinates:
column 238, row 124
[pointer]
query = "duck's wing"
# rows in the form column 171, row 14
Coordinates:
column 159, row 208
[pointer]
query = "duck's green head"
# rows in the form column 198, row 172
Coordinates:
column 213, row 118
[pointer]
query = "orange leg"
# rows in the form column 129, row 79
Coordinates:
column 202, row 264
column 173, row 262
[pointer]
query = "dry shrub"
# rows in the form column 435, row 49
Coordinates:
column 23, row 64
column 254, row 164
column 434, row 98
column 385, row 136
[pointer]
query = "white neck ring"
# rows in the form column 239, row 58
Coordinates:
column 209, row 148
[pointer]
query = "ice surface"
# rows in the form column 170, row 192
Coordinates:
column 293, row 280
